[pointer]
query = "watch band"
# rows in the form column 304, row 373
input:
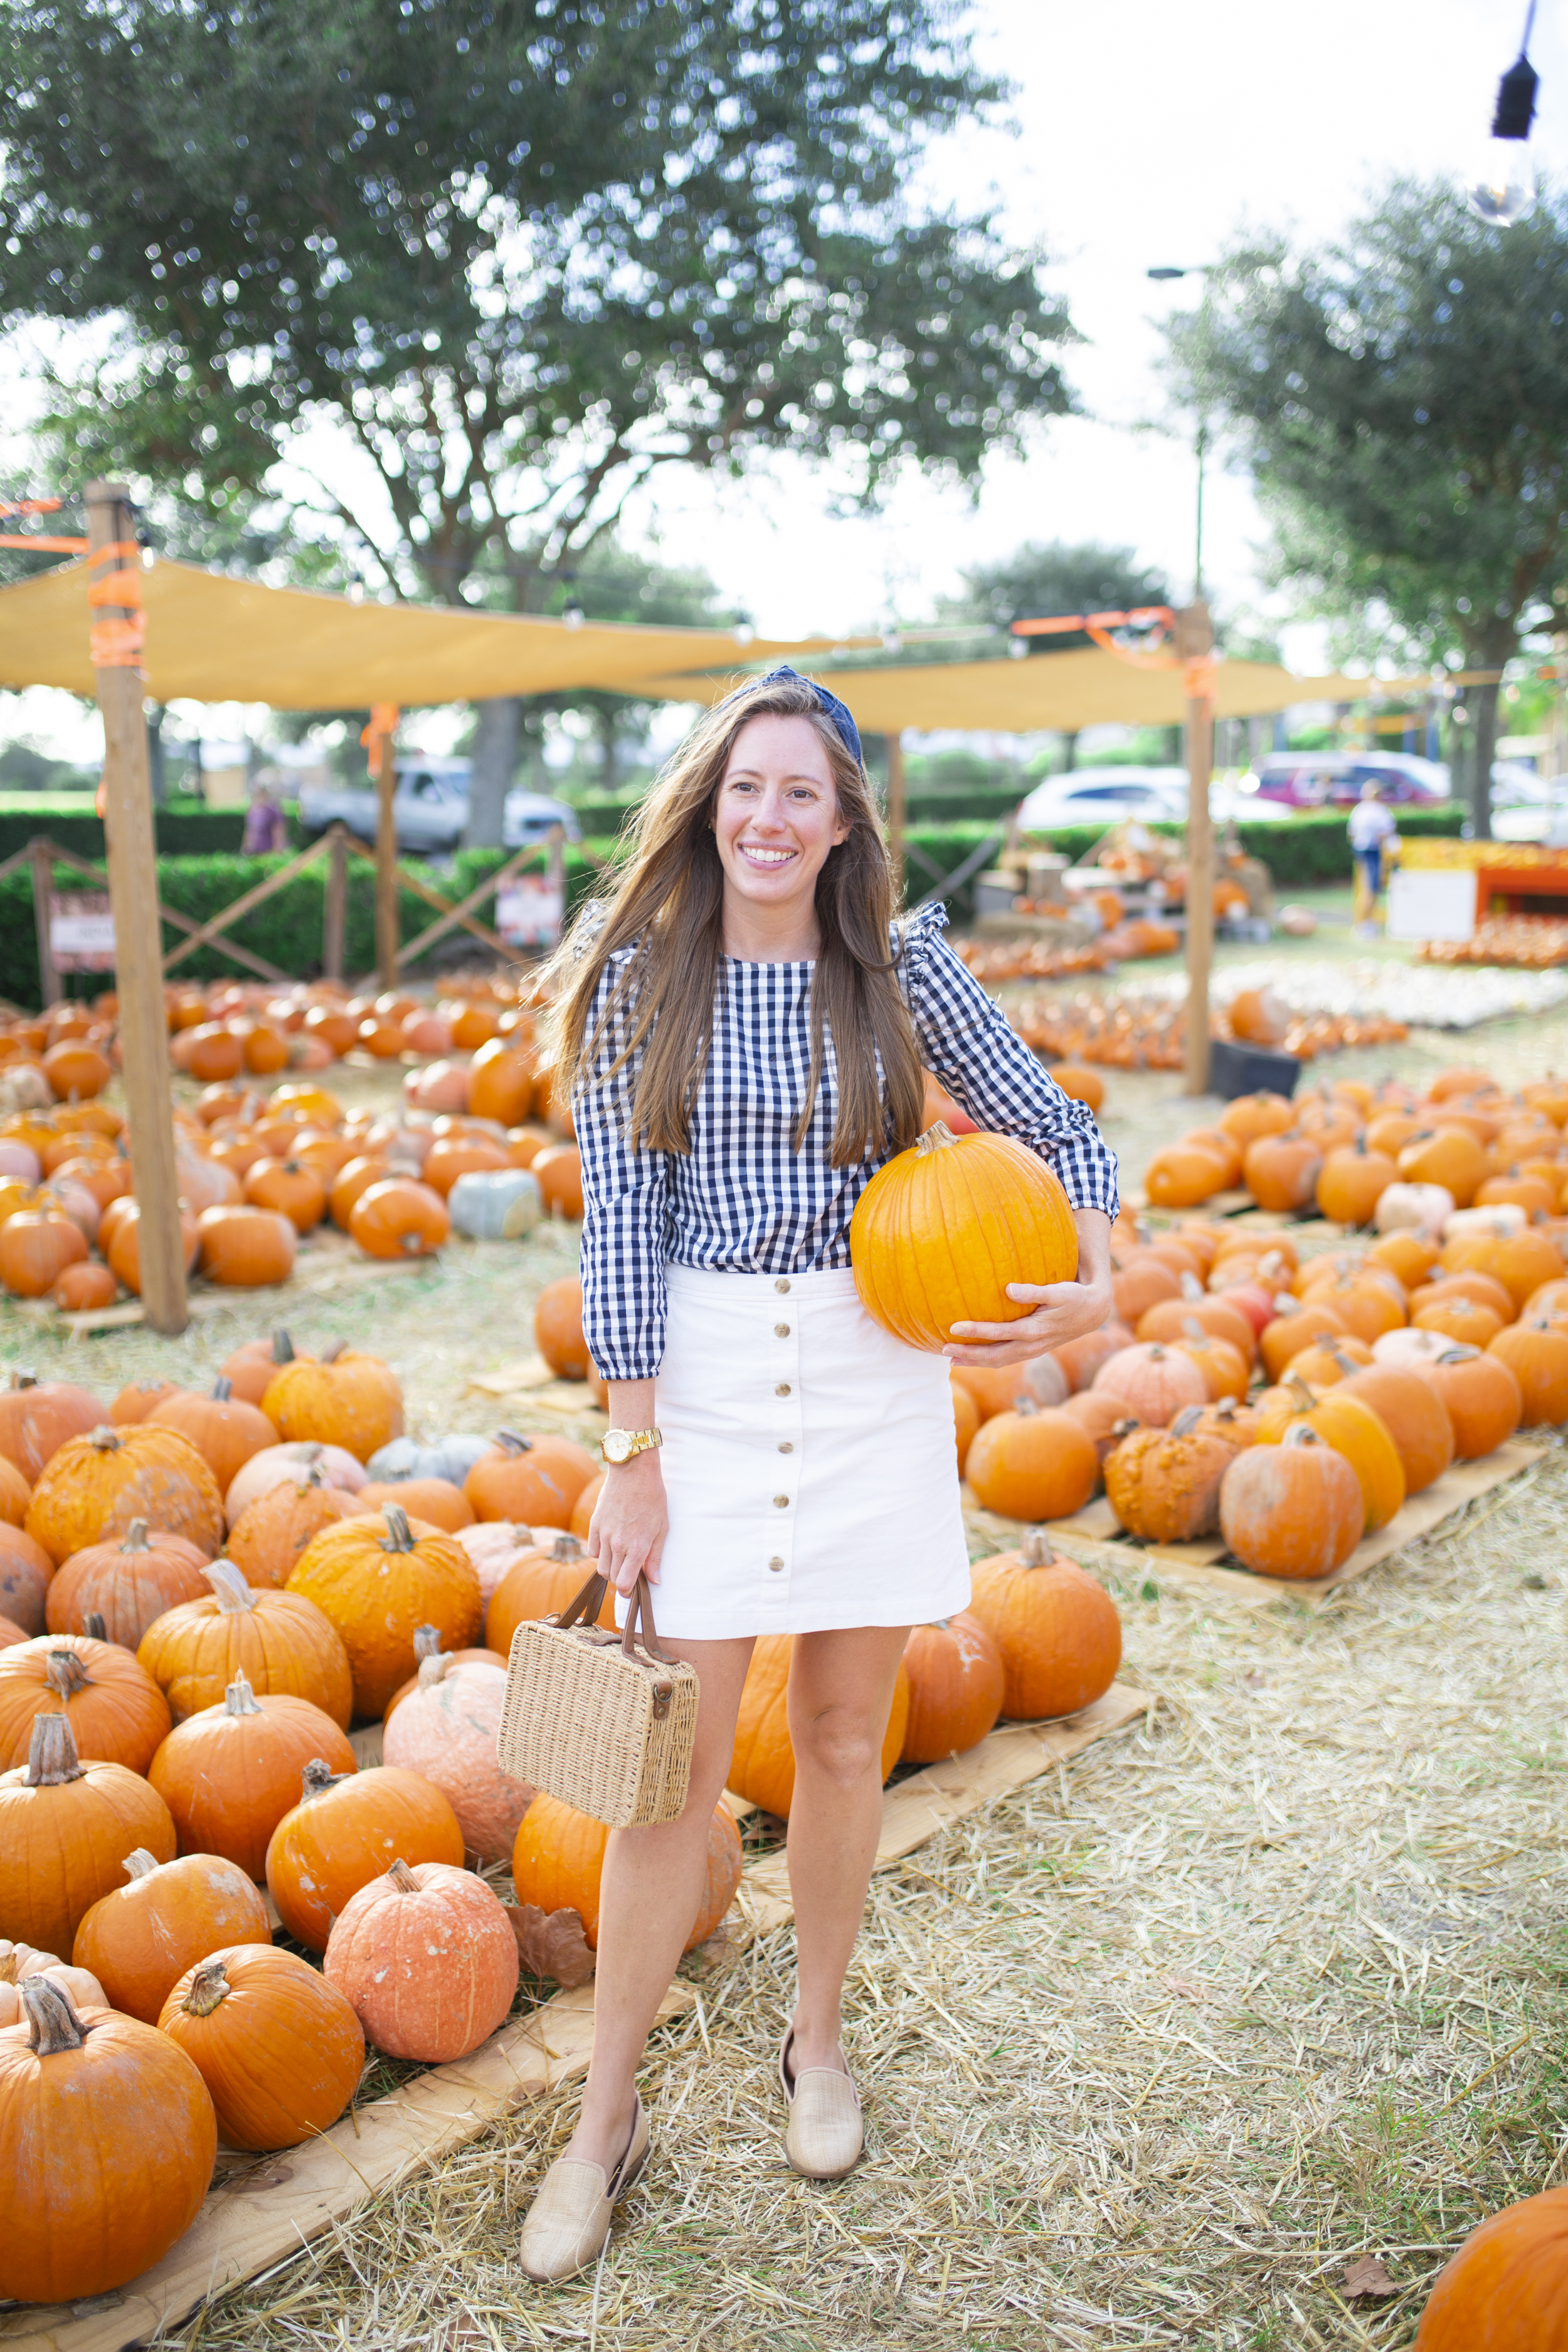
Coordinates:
column 622, row 1445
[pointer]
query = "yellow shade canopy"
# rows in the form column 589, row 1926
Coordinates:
column 215, row 639
column 1052, row 691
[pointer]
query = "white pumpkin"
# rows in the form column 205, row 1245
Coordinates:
column 1413, row 1208
column 1410, row 1346
column 1503, row 1217
column 495, row 1547
column 496, row 1204
column 18, row 1960
column 451, row 1458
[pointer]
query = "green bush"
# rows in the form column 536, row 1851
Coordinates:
column 67, row 818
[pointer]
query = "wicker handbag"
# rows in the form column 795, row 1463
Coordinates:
column 600, row 1720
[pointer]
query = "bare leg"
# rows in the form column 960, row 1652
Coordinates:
column 652, row 1884
column 840, row 1691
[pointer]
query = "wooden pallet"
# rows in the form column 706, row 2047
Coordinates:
column 1096, row 1533
column 260, row 2211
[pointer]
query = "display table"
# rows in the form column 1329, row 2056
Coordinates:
column 1513, row 871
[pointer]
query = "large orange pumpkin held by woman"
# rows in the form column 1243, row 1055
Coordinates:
column 943, row 1229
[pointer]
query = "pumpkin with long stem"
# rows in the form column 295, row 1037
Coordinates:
column 224, row 1429
column 136, row 2120
column 66, row 1827
column 428, row 1959
column 230, row 1773
column 94, row 1487
column 956, row 1681
column 762, row 1765
column 558, row 1862
column 346, row 1829
column 1057, row 1630
column 377, row 1577
column 279, row 1640
column 140, row 1939
column 115, row 1706
column 280, row 2049
column 128, row 1583
column 445, row 1728
column 1294, row 1511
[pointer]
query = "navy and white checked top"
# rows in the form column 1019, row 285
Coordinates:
column 743, row 1199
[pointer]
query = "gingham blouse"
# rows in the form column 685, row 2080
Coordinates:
column 743, row 1200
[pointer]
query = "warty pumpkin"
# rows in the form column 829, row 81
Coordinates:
column 268, row 1538
column 278, row 1641
column 1294, row 1511
column 944, row 1228
column 1057, row 1630
column 377, row 1576
column 140, row 1939
column 280, row 2049
column 558, row 1862
column 229, row 1773
column 1352, row 1428
column 95, row 1487
column 531, row 1479
column 115, row 1709
column 1163, row 1484
column 1027, row 1464
column 761, row 1768
column 428, row 1958
column 956, row 1682
column 1536, row 1352
column 135, row 2116
column 347, row 1830
column 1484, row 1402
column 445, row 1728
column 1506, row 2290
column 66, row 1827
column 354, row 1401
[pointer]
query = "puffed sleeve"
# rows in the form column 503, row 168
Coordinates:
column 965, row 1038
column 626, row 1208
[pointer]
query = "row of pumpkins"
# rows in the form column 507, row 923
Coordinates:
column 256, row 1172
column 1381, row 1155
column 1380, row 1368
column 1149, row 1032
column 205, row 1593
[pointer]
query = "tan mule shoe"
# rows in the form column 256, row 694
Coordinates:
column 570, row 2219
column 826, row 2135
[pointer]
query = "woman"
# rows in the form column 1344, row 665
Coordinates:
column 743, row 1032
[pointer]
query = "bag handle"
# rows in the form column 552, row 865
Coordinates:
column 585, row 1609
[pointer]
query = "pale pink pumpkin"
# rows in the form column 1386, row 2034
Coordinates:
column 445, row 1728
column 495, row 1547
column 428, row 1959
column 1158, row 1383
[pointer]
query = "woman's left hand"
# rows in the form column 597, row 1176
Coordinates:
column 1061, row 1310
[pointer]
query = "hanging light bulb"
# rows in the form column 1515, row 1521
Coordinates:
column 1502, row 192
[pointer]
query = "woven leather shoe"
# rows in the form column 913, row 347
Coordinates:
column 570, row 2219
column 825, row 2136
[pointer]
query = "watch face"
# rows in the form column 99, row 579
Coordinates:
column 616, row 1445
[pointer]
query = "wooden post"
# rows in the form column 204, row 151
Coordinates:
column 381, row 735
column 1193, row 639
column 897, row 807
column 114, row 594
column 334, row 928
column 49, row 989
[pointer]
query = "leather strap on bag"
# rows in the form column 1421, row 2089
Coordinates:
column 585, row 1609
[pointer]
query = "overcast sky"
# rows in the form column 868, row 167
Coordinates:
column 1144, row 135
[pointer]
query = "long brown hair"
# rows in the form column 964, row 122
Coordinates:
column 668, row 903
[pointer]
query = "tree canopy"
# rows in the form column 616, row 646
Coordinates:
column 1401, row 401
column 523, row 253
column 1039, row 580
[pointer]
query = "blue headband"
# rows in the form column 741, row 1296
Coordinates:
column 832, row 709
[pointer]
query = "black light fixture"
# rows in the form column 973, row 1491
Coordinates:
column 572, row 611
column 1500, row 193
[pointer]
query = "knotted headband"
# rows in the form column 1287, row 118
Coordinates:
column 837, row 713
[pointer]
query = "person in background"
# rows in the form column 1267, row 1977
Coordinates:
column 1371, row 825
column 266, row 826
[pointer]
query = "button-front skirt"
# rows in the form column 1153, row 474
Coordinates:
column 809, row 1461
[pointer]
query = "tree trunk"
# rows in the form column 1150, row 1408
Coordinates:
column 1069, row 748
column 609, row 739
column 494, row 769
column 1483, row 711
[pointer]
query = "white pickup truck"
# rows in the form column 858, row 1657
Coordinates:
column 430, row 804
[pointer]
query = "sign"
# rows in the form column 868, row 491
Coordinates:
column 529, row 913
column 81, row 931
column 1427, row 903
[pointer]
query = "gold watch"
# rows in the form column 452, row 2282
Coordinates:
column 619, row 1445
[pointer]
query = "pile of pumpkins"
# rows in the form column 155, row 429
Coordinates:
column 256, row 1172
column 1148, row 1033
column 1289, row 1405
column 231, row 1028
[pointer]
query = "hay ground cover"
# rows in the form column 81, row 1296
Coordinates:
column 1154, row 2051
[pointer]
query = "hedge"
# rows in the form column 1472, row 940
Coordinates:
column 67, row 818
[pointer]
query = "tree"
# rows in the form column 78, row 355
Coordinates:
column 522, row 253
column 1401, row 401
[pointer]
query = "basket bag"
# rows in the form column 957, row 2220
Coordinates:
column 601, row 1720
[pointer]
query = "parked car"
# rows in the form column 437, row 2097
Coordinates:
column 430, row 807
column 1334, row 780
column 1105, row 797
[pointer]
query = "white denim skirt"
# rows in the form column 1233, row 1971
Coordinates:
column 809, row 1461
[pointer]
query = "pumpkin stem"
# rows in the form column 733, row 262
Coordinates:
column 1192, row 1288
column 239, row 1698
column 317, row 1778
column 1299, row 1433
column 1186, row 1418
column 104, row 1439
column 433, row 1670
column 1035, row 1552
column 234, row 1597
column 566, row 1548
column 1460, row 1354
column 399, row 1535
column 95, row 1626
column 135, row 1537
column 403, row 1878
column 7, row 1960
column 140, row 1864
column 939, row 1136
column 24, row 1380
column 426, row 1641
column 65, row 1674
column 209, row 1985
column 1299, row 1389
column 282, row 1348
column 513, row 1442
column 222, row 1390
column 53, row 2024
column 333, row 1349
column 52, row 1757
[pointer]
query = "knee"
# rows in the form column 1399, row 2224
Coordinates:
column 841, row 1744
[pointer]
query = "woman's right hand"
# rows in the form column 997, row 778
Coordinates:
column 631, row 1519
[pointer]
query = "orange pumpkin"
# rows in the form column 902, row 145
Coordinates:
column 1483, row 1400
column 354, row 1401
column 1294, row 1511
column 941, row 1229
column 1350, row 1426
column 125, row 1584
column 25, row 1571
column 559, row 1168
column 1327, row 1361
column 1423, row 1438
column 225, row 1431
column 246, row 1248
column 1520, row 1261
column 1057, row 1629
column 1033, row 1465
column 345, row 1832
column 377, row 1577
column 140, row 1939
column 1506, row 2290
column 279, row 1640
column 435, row 1500
column 500, row 1082
column 559, row 1857
column 84, row 1285
column 95, row 1487
column 1163, row 1484
column 16, row 1494
column 1158, row 1383
column 1282, row 1170
column 1293, row 1329
column 535, row 1479
column 290, row 1189
column 1252, row 1116
column 1224, row 1368
column 1169, row 1322
column 65, row 1827
column 268, row 1539
column 956, row 1683
column 230, row 1772
column 137, row 1400
column 122, row 1243
column 1184, row 1174
column 35, row 1247
column 115, row 1709
column 761, row 1768
column 1409, row 1256
column 540, row 1583
column 1351, row 1182
column 1448, row 1155
column 1536, row 1353
column 428, row 1958
column 280, row 2049
column 558, row 1329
